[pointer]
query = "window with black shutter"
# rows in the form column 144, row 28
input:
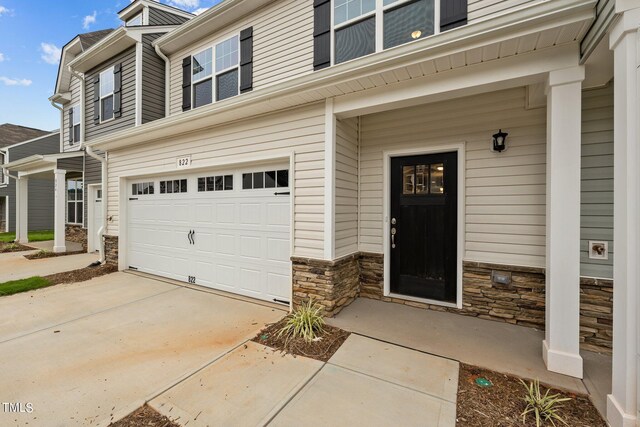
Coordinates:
column 246, row 60
column 75, row 117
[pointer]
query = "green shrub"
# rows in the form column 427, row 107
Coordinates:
column 305, row 322
column 543, row 406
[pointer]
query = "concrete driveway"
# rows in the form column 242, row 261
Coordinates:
column 14, row 265
column 90, row 353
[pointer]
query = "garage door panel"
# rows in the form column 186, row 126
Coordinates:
column 241, row 240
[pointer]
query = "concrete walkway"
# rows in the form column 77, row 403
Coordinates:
column 367, row 382
column 47, row 245
column 493, row 345
column 14, row 266
column 91, row 353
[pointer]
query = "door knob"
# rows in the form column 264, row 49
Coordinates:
column 393, row 221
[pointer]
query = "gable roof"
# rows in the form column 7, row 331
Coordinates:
column 89, row 39
column 12, row 134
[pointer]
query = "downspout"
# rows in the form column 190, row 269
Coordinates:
column 167, row 77
column 103, row 162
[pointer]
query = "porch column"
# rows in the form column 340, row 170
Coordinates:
column 60, row 187
column 22, row 210
column 561, row 347
column 622, row 403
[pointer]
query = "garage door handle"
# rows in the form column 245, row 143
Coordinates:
column 193, row 237
column 282, row 193
column 190, row 237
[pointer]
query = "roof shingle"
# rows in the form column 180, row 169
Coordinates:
column 12, row 134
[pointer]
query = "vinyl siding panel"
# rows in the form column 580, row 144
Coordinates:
column 162, row 17
column 128, row 118
column 282, row 48
column 346, row 228
column 153, row 81
column 485, row 9
column 40, row 203
column 300, row 130
column 597, row 179
column 76, row 99
column 504, row 193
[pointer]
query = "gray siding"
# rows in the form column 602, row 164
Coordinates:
column 161, row 17
column 128, row 118
column 74, row 164
column 153, row 81
column 40, row 190
column 597, row 179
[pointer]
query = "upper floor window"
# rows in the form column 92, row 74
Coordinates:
column 135, row 21
column 216, row 78
column 74, row 126
column 2, row 162
column 106, row 94
column 362, row 27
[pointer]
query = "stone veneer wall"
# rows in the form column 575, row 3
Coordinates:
column 333, row 284
column 521, row 303
column 77, row 234
column 111, row 249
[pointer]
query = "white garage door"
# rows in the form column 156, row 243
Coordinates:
column 225, row 230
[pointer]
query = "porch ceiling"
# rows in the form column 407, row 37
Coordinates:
column 534, row 35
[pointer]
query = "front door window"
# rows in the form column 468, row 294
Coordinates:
column 424, row 226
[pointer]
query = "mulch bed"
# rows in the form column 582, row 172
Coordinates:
column 331, row 340
column 145, row 417
column 502, row 404
column 81, row 275
column 13, row 247
column 49, row 254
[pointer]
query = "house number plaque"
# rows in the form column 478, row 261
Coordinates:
column 183, row 162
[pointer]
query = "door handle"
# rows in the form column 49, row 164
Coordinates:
column 393, row 238
column 193, row 237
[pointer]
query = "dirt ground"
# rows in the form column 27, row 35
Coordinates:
column 502, row 404
column 145, row 417
column 13, row 247
column 81, row 275
column 48, row 254
column 331, row 340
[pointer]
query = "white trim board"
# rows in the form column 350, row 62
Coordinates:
column 459, row 148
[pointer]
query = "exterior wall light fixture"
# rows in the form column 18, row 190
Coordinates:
column 499, row 141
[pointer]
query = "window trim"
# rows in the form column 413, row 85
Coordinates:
column 378, row 14
column 73, row 125
column 102, row 96
column 75, row 202
column 214, row 73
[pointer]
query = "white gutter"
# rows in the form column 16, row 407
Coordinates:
column 103, row 227
column 167, row 78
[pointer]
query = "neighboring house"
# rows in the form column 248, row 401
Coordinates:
column 17, row 142
column 331, row 149
column 108, row 81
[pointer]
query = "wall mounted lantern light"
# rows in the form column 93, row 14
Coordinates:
column 499, row 141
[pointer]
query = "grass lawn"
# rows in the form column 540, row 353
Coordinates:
column 24, row 285
column 34, row 236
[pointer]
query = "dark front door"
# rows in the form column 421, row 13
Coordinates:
column 423, row 226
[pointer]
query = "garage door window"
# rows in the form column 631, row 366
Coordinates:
column 268, row 179
column 173, row 186
column 142, row 188
column 215, row 183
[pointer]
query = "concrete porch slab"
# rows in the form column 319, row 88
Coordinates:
column 418, row 371
column 341, row 397
column 23, row 314
column 246, row 387
column 493, row 345
column 14, row 266
column 47, row 245
column 101, row 367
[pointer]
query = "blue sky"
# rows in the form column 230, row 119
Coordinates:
column 32, row 32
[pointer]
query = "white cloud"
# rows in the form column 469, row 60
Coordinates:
column 3, row 10
column 2, row 58
column 89, row 20
column 50, row 53
column 15, row 82
column 200, row 10
column 189, row 4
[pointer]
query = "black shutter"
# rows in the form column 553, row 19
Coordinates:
column 186, row 83
column 71, row 125
column 117, row 90
column 96, row 99
column 321, row 34
column 453, row 13
column 246, row 60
